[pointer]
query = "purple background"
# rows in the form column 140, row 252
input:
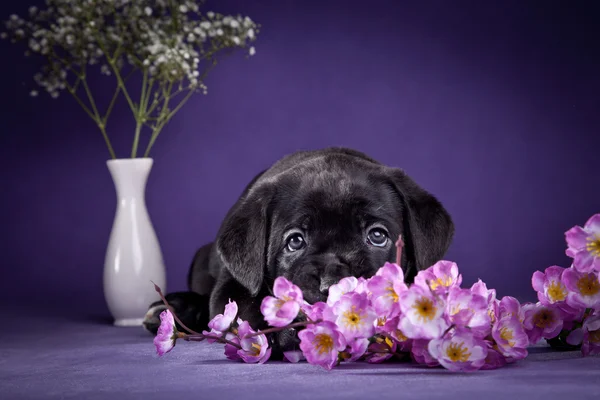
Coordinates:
column 492, row 106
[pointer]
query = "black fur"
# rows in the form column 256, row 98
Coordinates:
column 333, row 197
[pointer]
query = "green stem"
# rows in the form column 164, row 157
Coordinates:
column 140, row 115
column 99, row 121
column 105, row 135
column 73, row 91
column 161, row 125
column 93, row 117
column 114, row 99
column 111, row 104
column 112, row 62
column 159, row 99
column 157, row 128
column 88, row 92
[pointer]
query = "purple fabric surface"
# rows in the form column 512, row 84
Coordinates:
column 45, row 358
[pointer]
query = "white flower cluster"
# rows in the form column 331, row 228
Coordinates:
column 170, row 40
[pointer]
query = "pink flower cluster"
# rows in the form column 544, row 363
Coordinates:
column 568, row 310
column 434, row 321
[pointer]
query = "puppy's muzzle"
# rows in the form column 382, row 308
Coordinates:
column 332, row 275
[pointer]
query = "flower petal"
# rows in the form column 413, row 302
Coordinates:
column 593, row 224
column 576, row 237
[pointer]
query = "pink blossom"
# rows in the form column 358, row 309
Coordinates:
column 385, row 287
column 510, row 337
column 353, row 316
column 165, row 339
column 440, row 277
column 321, row 344
column 231, row 352
column 549, row 285
column 255, row 349
column 361, row 286
column 584, row 245
column 583, row 287
column 420, row 353
column 222, row 322
column 390, row 328
column 282, row 309
column 591, row 336
column 541, row 321
column 459, row 350
column 551, row 289
column 381, row 350
column 481, row 289
column 345, row 285
column 356, row 348
column 293, row 356
column 314, row 311
column 494, row 359
column 465, row 308
column 508, row 306
column 422, row 314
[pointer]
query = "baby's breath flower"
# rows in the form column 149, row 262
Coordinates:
column 172, row 42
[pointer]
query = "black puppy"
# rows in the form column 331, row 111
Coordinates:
column 314, row 217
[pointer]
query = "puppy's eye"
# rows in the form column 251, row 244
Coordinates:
column 295, row 242
column 377, row 237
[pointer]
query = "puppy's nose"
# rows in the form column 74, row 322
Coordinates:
column 326, row 283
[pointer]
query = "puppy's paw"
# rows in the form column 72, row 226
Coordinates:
column 152, row 318
column 191, row 308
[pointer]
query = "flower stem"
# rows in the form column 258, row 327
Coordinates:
column 166, row 303
column 272, row 330
column 120, row 82
column 158, row 128
column 111, row 104
column 202, row 337
column 140, row 115
column 98, row 122
column 72, row 89
column 98, row 119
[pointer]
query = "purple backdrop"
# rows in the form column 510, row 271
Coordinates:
column 492, row 106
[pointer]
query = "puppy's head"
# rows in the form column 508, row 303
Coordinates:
column 329, row 217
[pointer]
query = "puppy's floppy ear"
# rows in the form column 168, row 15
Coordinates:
column 428, row 228
column 243, row 238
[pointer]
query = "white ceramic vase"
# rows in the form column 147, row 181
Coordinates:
column 133, row 257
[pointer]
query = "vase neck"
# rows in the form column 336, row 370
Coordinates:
column 130, row 176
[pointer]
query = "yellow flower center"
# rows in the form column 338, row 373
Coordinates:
column 543, row 319
column 381, row 321
column 255, row 349
column 444, row 281
column 352, row 317
column 400, row 336
column 323, row 343
column 492, row 315
column 457, row 352
column 593, row 245
column 392, row 293
column 588, row 285
column 557, row 291
column 385, row 340
column 425, row 309
column 507, row 334
column 389, row 342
